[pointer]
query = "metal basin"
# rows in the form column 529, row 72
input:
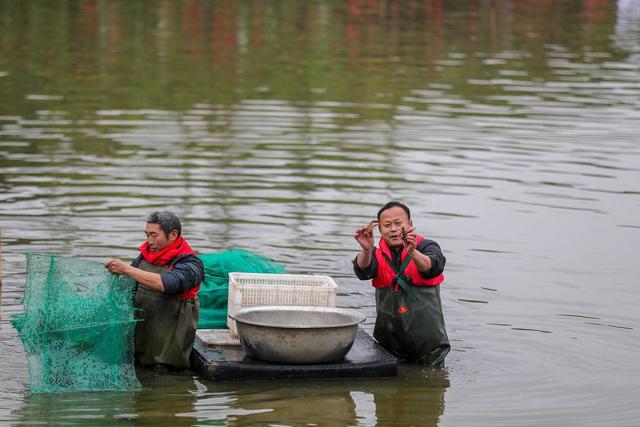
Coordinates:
column 297, row 334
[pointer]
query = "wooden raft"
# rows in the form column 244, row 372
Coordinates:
column 217, row 356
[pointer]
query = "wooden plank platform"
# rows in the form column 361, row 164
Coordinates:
column 228, row 362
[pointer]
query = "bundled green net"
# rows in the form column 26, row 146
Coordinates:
column 77, row 327
column 215, row 288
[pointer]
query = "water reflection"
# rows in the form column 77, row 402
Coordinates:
column 295, row 404
column 510, row 127
column 103, row 408
column 419, row 399
column 148, row 406
column 363, row 52
column 415, row 398
column 627, row 28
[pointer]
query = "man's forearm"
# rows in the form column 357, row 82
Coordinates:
column 147, row 279
column 422, row 262
column 364, row 259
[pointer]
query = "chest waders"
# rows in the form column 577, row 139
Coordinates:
column 409, row 320
column 168, row 325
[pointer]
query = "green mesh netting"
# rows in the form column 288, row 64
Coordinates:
column 77, row 327
column 214, row 290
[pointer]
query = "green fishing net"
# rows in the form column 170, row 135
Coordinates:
column 77, row 326
column 215, row 288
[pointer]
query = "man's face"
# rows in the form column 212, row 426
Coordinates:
column 157, row 238
column 391, row 222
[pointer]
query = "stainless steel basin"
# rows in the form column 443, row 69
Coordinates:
column 297, row 334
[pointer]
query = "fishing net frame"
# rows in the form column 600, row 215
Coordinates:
column 77, row 327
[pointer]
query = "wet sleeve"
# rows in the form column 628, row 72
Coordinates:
column 185, row 274
column 369, row 272
column 433, row 251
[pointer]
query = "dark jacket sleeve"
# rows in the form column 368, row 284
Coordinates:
column 187, row 273
column 433, row 251
column 136, row 261
column 369, row 272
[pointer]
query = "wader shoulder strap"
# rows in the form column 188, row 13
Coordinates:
column 400, row 278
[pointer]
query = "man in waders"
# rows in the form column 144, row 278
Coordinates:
column 406, row 270
column 168, row 276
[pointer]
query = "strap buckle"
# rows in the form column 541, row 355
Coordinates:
column 402, row 280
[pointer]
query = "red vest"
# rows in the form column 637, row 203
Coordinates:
column 385, row 274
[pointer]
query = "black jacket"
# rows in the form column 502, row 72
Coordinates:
column 187, row 273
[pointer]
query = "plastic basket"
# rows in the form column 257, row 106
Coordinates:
column 258, row 289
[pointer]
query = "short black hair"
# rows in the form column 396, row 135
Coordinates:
column 393, row 204
column 168, row 221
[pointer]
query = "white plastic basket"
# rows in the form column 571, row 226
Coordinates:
column 258, row 289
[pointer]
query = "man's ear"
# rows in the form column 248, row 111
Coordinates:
column 173, row 235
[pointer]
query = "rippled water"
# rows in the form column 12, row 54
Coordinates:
column 510, row 128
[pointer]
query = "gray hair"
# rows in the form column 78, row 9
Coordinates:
column 168, row 221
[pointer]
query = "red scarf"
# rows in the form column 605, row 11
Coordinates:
column 164, row 256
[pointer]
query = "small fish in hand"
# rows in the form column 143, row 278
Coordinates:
column 404, row 233
column 370, row 227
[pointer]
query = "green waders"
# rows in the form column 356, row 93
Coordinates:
column 167, row 325
column 409, row 320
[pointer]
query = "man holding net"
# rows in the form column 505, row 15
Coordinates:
column 168, row 276
column 406, row 270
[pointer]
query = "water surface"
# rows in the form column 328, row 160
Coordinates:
column 509, row 127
